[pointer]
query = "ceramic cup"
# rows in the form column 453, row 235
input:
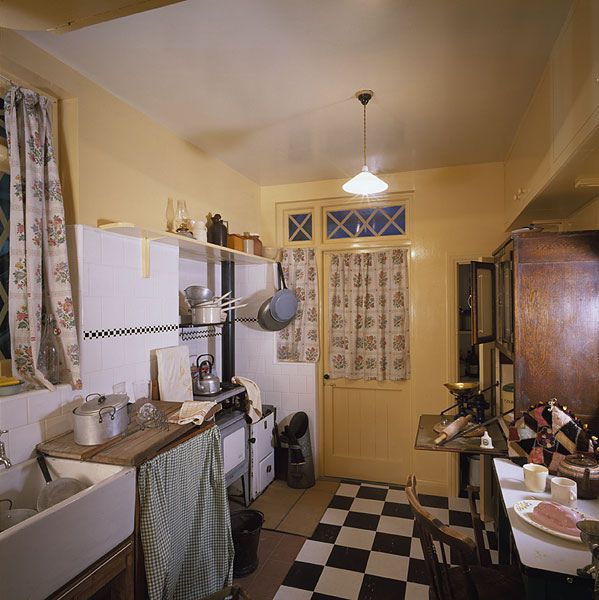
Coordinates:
column 535, row 477
column 563, row 491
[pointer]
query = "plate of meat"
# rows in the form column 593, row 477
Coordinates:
column 551, row 517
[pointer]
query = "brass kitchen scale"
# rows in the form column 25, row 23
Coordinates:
column 468, row 400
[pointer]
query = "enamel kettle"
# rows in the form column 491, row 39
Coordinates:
column 206, row 382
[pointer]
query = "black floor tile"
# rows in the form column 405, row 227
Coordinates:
column 395, row 509
column 396, row 486
column 362, row 520
column 319, row 596
column 379, row 588
column 303, row 575
column 351, row 559
column 326, row 533
column 433, row 501
column 462, row 519
column 342, row 502
column 392, row 544
column 492, row 540
column 417, row 572
column 371, row 493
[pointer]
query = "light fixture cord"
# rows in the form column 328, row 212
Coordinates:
column 364, row 106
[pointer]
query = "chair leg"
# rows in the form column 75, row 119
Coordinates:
column 478, row 527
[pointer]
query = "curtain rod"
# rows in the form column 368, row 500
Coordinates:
column 17, row 84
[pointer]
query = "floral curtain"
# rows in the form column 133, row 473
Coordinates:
column 369, row 315
column 38, row 249
column 299, row 342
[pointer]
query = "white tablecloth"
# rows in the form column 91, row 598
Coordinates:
column 537, row 549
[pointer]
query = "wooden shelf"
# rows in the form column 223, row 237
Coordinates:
column 188, row 247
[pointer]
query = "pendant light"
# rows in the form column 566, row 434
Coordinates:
column 365, row 182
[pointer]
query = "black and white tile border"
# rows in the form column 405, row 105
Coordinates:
column 119, row 332
column 189, row 334
column 365, row 546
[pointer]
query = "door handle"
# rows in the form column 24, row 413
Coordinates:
column 326, row 376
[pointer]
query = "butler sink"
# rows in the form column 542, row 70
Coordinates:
column 41, row 554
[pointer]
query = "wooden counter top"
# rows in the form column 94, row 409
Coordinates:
column 132, row 448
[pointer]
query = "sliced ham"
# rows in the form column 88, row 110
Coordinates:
column 557, row 517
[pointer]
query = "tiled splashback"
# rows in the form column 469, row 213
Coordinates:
column 291, row 387
column 123, row 316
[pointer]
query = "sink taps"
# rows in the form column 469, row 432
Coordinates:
column 4, row 460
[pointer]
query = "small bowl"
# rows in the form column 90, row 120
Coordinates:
column 9, row 390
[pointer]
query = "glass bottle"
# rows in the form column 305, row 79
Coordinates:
column 170, row 215
column 48, row 361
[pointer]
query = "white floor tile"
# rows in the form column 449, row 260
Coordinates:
column 441, row 513
column 365, row 505
column 313, row 552
column 340, row 583
column 416, row 549
column 289, row 593
column 397, row 496
column 334, row 516
column 459, row 504
column 347, row 489
column 387, row 565
column 355, row 538
column 416, row 591
column 396, row 526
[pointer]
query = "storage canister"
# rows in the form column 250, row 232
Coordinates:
column 100, row 418
column 217, row 231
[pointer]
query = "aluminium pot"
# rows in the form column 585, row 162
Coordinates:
column 100, row 418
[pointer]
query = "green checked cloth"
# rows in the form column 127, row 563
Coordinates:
column 185, row 522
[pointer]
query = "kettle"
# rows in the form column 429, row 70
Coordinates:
column 584, row 470
column 206, row 382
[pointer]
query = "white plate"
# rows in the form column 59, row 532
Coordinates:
column 524, row 509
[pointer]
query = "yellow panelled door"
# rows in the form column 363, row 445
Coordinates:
column 366, row 423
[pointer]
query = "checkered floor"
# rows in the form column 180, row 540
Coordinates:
column 365, row 547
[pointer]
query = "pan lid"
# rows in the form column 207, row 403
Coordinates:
column 94, row 403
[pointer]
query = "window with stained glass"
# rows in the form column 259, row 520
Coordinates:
column 299, row 227
column 365, row 222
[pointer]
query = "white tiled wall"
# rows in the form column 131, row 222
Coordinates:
column 291, row 387
column 110, row 293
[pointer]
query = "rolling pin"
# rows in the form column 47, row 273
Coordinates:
column 453, row 429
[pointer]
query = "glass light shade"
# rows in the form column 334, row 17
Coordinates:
column 365, row 183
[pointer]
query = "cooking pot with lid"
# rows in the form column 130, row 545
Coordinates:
column 100, row 418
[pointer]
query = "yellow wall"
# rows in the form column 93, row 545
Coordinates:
column 120, row 165
column 585, row 218
column 455, row 213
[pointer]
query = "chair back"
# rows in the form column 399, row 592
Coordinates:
column 439, row 544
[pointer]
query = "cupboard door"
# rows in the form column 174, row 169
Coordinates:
column 482, row 277
column 504, row 309
column 575, row 68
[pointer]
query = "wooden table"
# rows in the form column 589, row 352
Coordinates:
column 548, row 563
column 425, row 437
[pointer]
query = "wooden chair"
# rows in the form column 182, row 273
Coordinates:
column 469, row 580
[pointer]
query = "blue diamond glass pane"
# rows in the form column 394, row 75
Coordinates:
column 353, row 225
column 391, row 210
column 365, row 212
column 378, row 221
column 391, row 230
column 339, row 234
column 339, row 214
column 308, row 226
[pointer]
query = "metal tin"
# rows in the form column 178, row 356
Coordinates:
column 100, row 418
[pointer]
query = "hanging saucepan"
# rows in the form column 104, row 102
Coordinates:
column 277, row 312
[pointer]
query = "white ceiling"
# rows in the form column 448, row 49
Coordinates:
column 267, row 85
